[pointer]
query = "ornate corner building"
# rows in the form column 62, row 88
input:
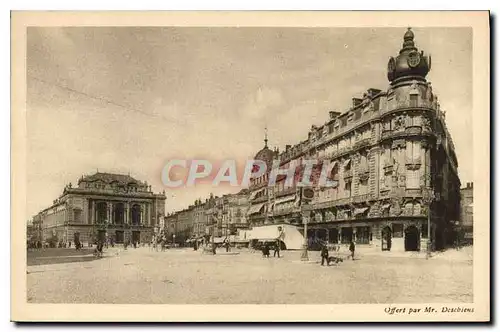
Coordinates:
column 108, row 206
column 394, row 164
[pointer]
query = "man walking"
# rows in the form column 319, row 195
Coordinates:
column 324, row 256
column 352, row 248
column 277, row 248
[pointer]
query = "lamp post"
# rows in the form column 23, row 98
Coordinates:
column 173, row 237
column 428, row 198
column 307, row 194
column 305, row 219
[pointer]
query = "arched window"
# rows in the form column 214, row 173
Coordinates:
column 101, row 212
column 136, row 214
column 119, row 213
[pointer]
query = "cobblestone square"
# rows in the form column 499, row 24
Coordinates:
column 184, row 276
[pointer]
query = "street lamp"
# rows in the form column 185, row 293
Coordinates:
column 305, row 219
column 307, row 194
column 173, row 237
column 428, row 198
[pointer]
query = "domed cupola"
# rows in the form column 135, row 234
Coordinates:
column 266, row 155
column 410, row 64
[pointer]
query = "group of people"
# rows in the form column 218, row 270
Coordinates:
column 325, row 255
column 266, row 249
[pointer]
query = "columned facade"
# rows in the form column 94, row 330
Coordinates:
column 112, row 207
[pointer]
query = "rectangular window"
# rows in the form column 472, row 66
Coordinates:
column 346, row 235
column 412, row 179
column 363, row 235
column 77, row 215
column 397, row 230
column 348, row 189
column 414, row 100
column 413, row 149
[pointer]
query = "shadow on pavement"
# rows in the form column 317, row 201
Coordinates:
column 60, row 256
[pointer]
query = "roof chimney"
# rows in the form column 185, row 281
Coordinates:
column 356, row 102
column 373, row 92
column 334, row 114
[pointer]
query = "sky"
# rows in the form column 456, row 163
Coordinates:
column 127, row 99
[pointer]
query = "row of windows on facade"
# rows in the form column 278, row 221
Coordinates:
column 412, row 180
column 394, row 123
column 360, row 234
column 412, row 153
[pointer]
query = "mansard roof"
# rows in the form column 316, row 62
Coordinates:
column 110, row 178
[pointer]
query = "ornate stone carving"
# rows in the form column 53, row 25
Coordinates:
column 428, row 92
column 395, row 209
column 426, row 124
column 329, row 216
column 399, row 122
column 435, row 103
column 414, row 88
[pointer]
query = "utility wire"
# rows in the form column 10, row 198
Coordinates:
column 99, row 98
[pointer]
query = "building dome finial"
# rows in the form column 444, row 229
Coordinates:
column 410, row 64
column 265, row 137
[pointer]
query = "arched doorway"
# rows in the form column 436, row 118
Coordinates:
column 119, row 213
column 136, row 214
column 386, row 238
column 101, row 212
column 412, row 238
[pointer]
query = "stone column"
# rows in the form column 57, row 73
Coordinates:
column 375, row 170
column 142, row 214
column 127, row 212
column 149, row 214
column 110, row 213
column 92, row 216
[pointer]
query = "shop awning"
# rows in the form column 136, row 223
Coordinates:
column 252, row 195
column 347, row 162
column 471, row 205
column 255, row 208
column 285, row 199
column 218, row 240
column 386, row 206
column 360, row 211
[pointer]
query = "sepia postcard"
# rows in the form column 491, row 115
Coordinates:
column 250, row 166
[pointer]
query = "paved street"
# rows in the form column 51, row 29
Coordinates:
column 184, row 276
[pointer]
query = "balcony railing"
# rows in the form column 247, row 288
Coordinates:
column 261, row 199
column 362, row 143
column 286, row 191
column 386, row 134
column 416, row 192
column 361, row 198
column 413, row 130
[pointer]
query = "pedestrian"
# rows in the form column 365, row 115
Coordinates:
column 352, row 248
column 266, row 250
column 325, row 256
column 227, row 246
column 277, row 249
